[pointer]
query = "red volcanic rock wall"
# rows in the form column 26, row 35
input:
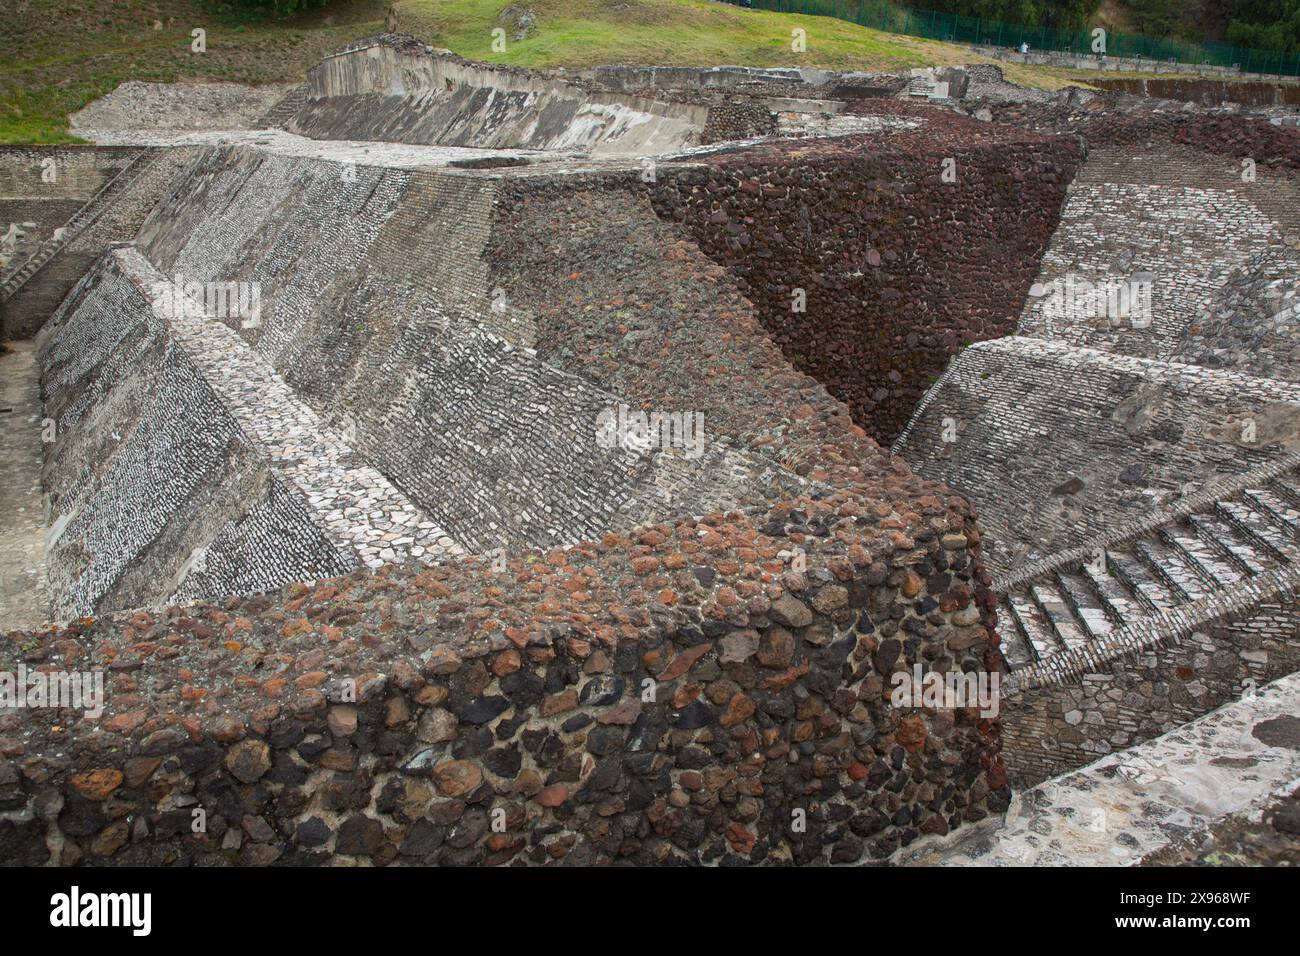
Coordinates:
column 899, row 267
column 1240, row 136
column 1219, row 133
column 670, row 696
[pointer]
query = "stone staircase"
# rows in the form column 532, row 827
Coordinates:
column 922, row 88
column 84, row 216
column 1157, row 575
column 285, row 108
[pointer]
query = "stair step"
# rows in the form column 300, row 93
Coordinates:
column 1033, row 625
column 87, row 214
column 1174, row 570
column 1287, row 487
column 1281, row 512
column 1015, row 646
column 1259, row 528
column 1069, row 631
column 1088, row 608
column 1123, row 604
column 1201, row 554
column 1142, row 581
column 1239, row 547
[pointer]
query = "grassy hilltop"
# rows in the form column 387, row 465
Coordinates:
column 58, row 55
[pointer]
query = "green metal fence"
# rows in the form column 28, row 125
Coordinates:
column 933, row 25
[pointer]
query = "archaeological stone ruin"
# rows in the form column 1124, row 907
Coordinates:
column 449, row 464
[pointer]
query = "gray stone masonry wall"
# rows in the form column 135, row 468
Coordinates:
column 433, row 243
column 1252, row 323
column 1118, row 64
column 148, row 467
column 114, row 219
column 1143, row 213
column 37, row 205
column 1052, row 729
column 1127, row 806
column 497, row 447
column 380, row 92
column 239, row 491
column 79, row 171
column 1054, row 443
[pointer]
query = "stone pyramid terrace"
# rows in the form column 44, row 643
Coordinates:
column 444, row 463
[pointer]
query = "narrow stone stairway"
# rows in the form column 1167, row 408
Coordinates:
column 1190, row 559
column 279, row 115
column 76, row 225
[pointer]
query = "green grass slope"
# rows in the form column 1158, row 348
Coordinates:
column 58, row 55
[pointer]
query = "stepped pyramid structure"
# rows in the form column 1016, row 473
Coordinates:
column 457, row 464
column 1132, row 451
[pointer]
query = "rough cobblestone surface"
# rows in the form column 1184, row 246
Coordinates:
column 673, row 695
column 867, row 227
column 1145, row 539
column 680, row 685
column 671, row 661
column 1267, row 837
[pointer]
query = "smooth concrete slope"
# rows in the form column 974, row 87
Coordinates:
column 184, row 468
column 1126, row 806
column 1057, row 445
column 376, row 310
column 404, row 94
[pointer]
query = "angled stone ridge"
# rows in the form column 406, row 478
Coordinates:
column 370, row 276
column 384, row 91
column 154, row 488
column 353, row 513
column 657, row 656
column 1056, row 444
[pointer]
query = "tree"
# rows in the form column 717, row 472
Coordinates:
column 266, row 8
column 1265, row 24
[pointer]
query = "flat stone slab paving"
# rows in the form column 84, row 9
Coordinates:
column 358, row 508
column 1128, row 805
column 280, row 142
